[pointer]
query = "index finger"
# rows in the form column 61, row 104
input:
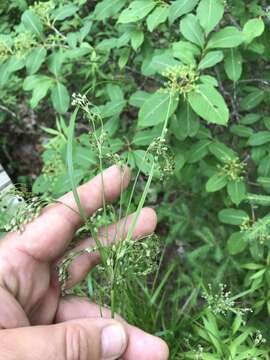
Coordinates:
column 47, row 237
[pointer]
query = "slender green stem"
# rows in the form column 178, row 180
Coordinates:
column 70, row 163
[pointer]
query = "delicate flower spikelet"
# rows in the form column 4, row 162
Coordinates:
column 181, row 79
column 222, row 301
column 131, row 259
column 163, row 159
column 20, row 208
column 125, row 261
column 63, row 266
column 102, row 218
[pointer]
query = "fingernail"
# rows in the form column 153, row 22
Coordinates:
column 113, row 342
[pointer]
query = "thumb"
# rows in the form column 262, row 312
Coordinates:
column 91, row 339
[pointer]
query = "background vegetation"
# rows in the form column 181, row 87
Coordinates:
column 199, row 70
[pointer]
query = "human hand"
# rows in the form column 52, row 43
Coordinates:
column 36, row 322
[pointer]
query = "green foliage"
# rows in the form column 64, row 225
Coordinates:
column 200, row 70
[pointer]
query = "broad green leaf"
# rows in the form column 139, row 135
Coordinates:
column 222, row 152
column 75, row 54
column 252, row 29
column 21, row 4
column 136, row 11
column 179, row 162
column 84, row 157
column 266, row 121
column 250, row 119
column 236, row 243
column 198, row 151
column 242, row 131
column 191, row 30
column 145, row 137
column 35, row 59
column 124, row 39
column 39, row 84
column 210, row 12
column 252, row 100
column 40, row 92
column 138, row 98
column 137, row 38
column 211, row 59
column 207, row 102
column 217, row 182
column 32, row 23
column 233, row 64
column 186, row 52
column 60, row 98
column 209, row 80
column 115, row 92
column 181, row 7
column 108, row 8
column 157, row 17
column 186, row 123
column 237, row 191
column 259, row 138
column 260, row 200
column 164, row 62
column 14, row 64
column 232, row 216
column 227, row 37
column 264, row 181
column 64, row 12
column 123, row 58
column 107, row 45
column 31, row 82
column 72, row 39
column 264, row 167
column 157, row 109
column 112, row 108
column 55, row 62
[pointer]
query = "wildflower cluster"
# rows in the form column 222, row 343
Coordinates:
column 5, row 50
column 181, row 79
column 222, row 301
column 259, row 231
column 90, row 111
column 199, row 353
column 42, row 10
column 246, row 224
column 163, row 159
column 19, row 208
column 23, row 43
column 81, row 101
column 258, row 338
column 234, row 169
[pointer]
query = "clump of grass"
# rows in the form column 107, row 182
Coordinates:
column 125, row 259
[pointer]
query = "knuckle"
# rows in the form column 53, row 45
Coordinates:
column 76, row 343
